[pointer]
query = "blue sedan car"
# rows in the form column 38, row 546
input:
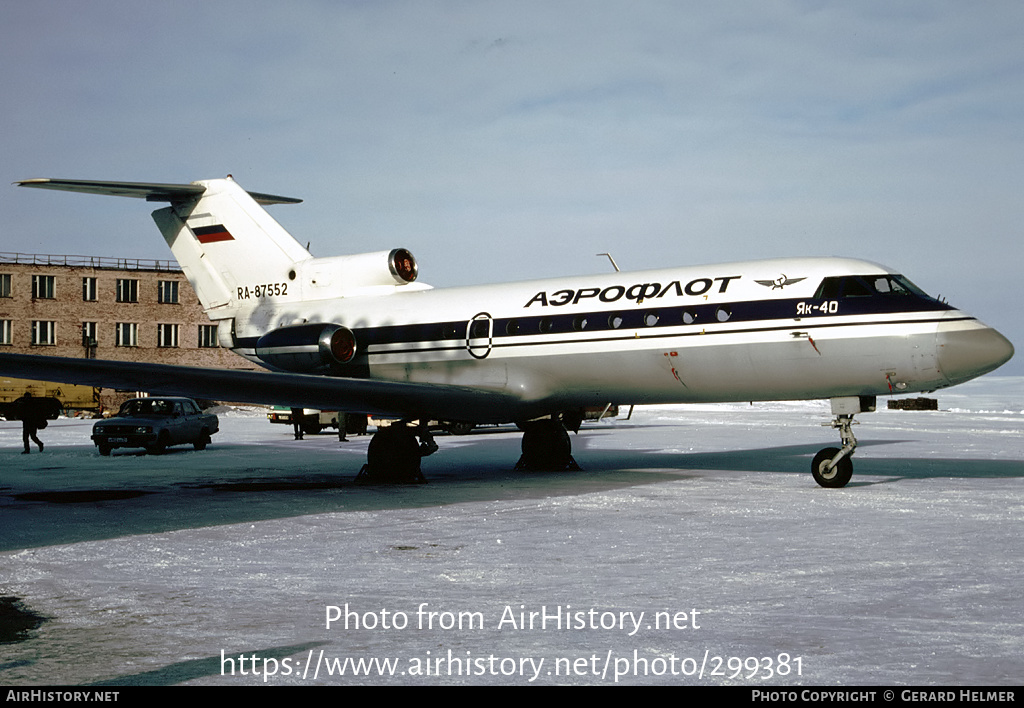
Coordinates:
column 156, row 424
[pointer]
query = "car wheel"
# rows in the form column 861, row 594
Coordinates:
column 202, row 442
column 160, row 446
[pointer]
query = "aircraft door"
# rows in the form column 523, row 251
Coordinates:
column 479, row 335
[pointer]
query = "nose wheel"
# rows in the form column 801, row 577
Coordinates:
column 829, row 473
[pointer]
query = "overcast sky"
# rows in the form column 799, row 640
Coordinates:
column 512, row 140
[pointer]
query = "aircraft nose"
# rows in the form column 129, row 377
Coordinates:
column 967, row 354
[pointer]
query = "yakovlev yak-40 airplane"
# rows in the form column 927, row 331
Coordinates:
column 360, row 333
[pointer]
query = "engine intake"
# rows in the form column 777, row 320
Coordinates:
column 307, row 348
column 403, row 265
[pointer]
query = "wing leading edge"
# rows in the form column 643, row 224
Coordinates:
column 391, row 398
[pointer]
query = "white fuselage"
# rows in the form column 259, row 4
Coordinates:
column 738, row 331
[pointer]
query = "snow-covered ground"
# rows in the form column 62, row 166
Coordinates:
column 705, row 519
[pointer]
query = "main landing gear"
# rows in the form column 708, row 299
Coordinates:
column 832, row 467
column 394, row 453
column 546, row 446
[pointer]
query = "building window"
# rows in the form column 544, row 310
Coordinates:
column 5, row 332
column 44, row 333
column 126, row 334
column 208, row 336
column 5, row 284
column 89, row 289
column 90, row 334
column 167, row 335
column 127, row 290
column 43, row 287
column 168, row 292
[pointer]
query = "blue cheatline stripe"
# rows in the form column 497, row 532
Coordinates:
column 650, row 323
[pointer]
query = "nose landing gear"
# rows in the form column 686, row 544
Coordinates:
column 832, row 467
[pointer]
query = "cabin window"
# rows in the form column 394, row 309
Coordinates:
column 479, row 329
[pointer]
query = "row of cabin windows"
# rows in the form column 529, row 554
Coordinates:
column 44, row 287
column 126, row 334
column 592, row 321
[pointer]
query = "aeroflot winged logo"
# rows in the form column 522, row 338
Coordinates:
column 212, row 234
column 780, row 282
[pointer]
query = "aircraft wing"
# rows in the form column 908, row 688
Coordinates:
column 389, row 398
column 150, row 191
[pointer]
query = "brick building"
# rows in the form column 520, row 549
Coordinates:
column 105, row 308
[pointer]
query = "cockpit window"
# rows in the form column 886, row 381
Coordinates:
column 829, row 289
column 856, row 287
column 907, row 287
column 867, row 286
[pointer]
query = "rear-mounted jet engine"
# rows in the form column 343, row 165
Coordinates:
column 307, row 348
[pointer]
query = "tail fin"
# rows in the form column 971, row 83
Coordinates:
column 229, row 247
column 238, row 258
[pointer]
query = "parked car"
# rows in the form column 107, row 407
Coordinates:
column 156, row 424
column 44, row 407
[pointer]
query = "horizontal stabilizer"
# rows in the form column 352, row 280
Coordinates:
column 150, row 191
column 388, row 398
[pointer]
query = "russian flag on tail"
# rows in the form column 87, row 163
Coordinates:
column 212, row 234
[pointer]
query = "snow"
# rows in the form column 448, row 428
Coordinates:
column 148, row 568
